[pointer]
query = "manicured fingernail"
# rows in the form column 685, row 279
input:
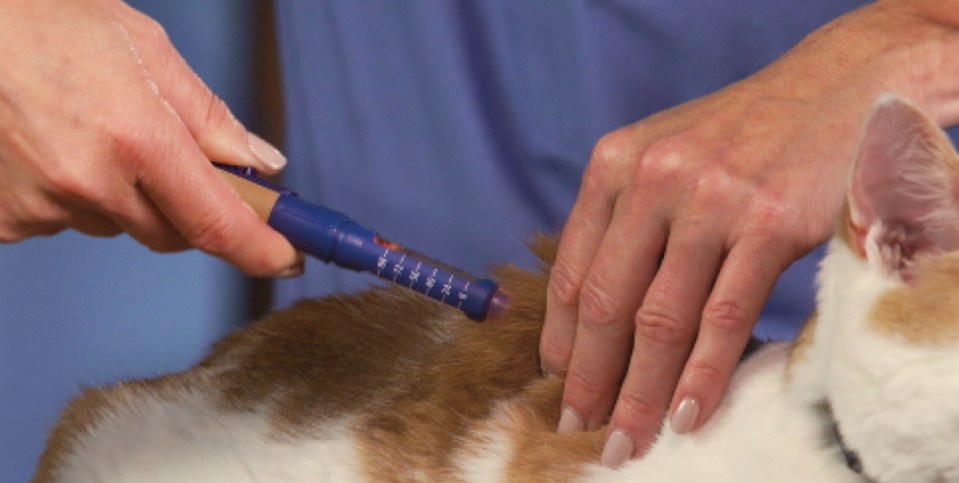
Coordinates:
column 619, row 448
column 266, row 153
column 684, row 418
column 570, row 421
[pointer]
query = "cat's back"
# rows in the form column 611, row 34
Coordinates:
column 276, row 401
column 176, row 429
column 337, row 389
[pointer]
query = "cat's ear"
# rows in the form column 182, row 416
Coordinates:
column 903, row 188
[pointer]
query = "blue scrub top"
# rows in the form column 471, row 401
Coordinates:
column 458, row 128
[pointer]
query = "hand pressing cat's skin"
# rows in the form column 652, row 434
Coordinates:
column 104, row 128
column 685, row 220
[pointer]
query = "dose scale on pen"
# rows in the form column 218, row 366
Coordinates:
column 418, row 273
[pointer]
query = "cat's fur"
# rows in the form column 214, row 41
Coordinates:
column 388, row 386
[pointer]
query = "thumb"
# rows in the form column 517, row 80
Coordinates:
column 217, row 132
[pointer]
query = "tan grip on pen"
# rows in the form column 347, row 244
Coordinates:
column 260, row 198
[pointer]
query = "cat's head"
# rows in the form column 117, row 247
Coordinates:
column 883, row 353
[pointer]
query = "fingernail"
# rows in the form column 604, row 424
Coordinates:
column 570, row 421
column 294, row 271
column 266, row 153
column 684, row 418
column 548, row 374
column 619, row 448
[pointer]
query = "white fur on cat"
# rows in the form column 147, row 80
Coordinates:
column 894, row 399
column 760, row 434
column 188, row 439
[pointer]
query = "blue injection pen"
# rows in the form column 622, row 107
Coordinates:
column 334, row 238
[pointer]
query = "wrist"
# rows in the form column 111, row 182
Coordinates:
column 907, row 47
column 921, row 60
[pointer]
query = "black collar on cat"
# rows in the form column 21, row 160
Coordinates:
column 851, row 457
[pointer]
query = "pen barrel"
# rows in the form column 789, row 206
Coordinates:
column 472, row 296
column 334, row 238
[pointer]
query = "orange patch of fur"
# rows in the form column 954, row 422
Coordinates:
column 923, row 312
column 539, row 449
column 800, row 347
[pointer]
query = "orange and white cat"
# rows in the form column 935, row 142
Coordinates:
column 389, row 386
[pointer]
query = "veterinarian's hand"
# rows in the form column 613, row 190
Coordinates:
column 685, row 220
column 104, row 128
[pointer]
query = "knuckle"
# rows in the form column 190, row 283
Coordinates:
column 582, row 389
column 765, row 235
column 555, row 352
column 217, row 113
column 770, row 209
column 662, row 162
column 609, row 157
column 563, row 287
column 128, row 146
column 637, row 407
column 597, row 305
column 212, row 232
column 726, row 316
column 701, row 370
column 662, row 328
column 713, row 188
column 612, row 148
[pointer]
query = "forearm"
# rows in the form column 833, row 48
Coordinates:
column 907, row 47
column 924, row 66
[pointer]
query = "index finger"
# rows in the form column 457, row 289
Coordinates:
column 582, row 236
column 209, row 213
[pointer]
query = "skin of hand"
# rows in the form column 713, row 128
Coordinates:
column 105, row 129
column 685, row 220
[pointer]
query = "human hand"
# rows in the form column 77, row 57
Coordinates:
column 685, row 220
column 104, row 128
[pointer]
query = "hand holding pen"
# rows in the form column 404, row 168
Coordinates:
column 105, row 129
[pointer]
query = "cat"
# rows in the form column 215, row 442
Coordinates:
column 386, row 385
